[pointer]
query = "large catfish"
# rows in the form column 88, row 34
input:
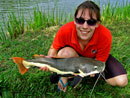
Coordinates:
column 79, row 66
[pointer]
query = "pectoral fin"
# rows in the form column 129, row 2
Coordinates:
column 76, row 81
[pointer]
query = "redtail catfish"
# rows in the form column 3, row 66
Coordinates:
column 80, row 66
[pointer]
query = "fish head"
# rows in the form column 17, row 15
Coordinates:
column 92, row 69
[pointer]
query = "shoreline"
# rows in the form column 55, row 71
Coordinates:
column 15, row 26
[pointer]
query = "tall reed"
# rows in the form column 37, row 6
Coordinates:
column 3, row 36
column 13, row 26
column 117, row 12
column 51, row 17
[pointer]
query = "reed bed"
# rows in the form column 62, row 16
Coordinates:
column 15, row 25
column 117, row 12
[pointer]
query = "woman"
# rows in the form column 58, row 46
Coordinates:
column 85, row 36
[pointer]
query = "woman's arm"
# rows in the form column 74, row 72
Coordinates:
column 52, row 52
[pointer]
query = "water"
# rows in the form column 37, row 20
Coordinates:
column 26, row 6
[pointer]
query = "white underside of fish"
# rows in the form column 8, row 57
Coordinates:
column 81, row 73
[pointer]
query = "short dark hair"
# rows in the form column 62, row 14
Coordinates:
column 93, row 8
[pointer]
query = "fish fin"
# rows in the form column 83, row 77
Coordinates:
column 76, row 81
column 43, row 56
column 36, row 56
column 18, row 61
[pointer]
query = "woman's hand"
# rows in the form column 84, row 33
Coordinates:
column 45, row 69
column 93, row 75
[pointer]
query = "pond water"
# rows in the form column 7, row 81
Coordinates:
column 26, row 6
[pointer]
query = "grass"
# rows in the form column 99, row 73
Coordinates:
column 37, row 40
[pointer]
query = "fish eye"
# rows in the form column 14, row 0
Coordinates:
column 95, row 67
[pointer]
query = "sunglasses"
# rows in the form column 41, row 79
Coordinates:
column 90, row 22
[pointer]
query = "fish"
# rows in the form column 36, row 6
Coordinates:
column 81, row 66
column 75, row 66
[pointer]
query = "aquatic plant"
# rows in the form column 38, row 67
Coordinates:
column 13, row 26
column 116, row 12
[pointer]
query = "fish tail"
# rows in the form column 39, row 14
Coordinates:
column 18, row 61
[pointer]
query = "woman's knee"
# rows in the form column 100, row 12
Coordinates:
column 120, row 81
column 67, row 52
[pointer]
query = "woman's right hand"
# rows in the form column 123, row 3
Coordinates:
column 45, row 69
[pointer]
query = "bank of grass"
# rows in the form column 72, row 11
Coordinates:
column 36, row 84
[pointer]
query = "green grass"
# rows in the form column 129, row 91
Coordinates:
column 37, row 40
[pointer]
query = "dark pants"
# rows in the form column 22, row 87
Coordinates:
column 113, row 68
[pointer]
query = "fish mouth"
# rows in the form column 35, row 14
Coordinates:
column 82, row 74
column 93, row 72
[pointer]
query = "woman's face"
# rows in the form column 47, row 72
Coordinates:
column 85, row 31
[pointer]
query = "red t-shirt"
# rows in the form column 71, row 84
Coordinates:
column 98, row 47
